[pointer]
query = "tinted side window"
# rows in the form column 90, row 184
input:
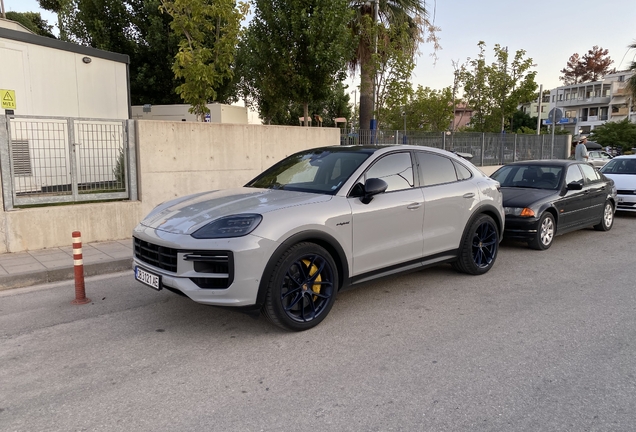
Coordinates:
column 435, row 169
column 396, row 169
column 463, row 173
column 574, row 175
column 590, row 173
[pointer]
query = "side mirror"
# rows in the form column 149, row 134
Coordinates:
column 373, row 186
column 575, row 186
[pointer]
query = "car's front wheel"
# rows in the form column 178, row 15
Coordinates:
column 479, row 247
column 302, row 287
column 545, row 233
column 608, row 218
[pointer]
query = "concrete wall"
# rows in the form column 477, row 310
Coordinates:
column 174, row 159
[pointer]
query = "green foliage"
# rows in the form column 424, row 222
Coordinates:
column 615, row 134
column 336, row 105
column 495, row 91
column 204, row 68
column 294, row 52
column 33, row 21
column 426, row 110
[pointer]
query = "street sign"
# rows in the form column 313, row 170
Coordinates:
column 555, row 114
column 7, row 98
column 208, row 118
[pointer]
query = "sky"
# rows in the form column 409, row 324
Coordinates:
column 549, row 31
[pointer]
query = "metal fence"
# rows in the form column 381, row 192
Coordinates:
column 48, row 160
column 486, row 148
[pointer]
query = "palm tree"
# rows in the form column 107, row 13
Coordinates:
column 390, row 12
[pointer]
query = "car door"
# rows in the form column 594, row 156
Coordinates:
column 595, row 189
column 447, row 201
column 388, row 230
column 573, row 203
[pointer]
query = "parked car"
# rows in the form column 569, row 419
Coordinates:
column 598, row 158
column 546, row 198
column 318, row 222
column 622, row 169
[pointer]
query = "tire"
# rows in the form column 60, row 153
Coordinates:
column 545, row 233
column 607, row 221
column 302, row 287
column 479, row 247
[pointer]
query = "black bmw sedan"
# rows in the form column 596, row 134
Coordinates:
column 546, row 198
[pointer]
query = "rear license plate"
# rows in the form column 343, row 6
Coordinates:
column 147, row 278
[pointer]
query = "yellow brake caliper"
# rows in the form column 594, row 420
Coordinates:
column 312, row 271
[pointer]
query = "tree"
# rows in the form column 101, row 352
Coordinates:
column 335, row 105
column 495, row 91
column 411, row 13
column 574, row 71
column 593, row 66
column 631, row 84
column 615, row 134
column 294, row 51
column 427, row 110
column 33, row 21
column 59, row 7
column 204, row 68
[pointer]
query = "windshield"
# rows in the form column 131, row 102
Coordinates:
column 529, row 176
column 318, row 171
column 620, row 166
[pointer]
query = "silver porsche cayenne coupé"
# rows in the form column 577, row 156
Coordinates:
column 318, row 222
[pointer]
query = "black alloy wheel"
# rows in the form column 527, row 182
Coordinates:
column 302, row 287
column 479, row 247
column 545, row 233
column 607, row 221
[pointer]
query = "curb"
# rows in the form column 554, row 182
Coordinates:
column 22, row 280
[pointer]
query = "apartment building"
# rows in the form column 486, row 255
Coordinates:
column 588, row 105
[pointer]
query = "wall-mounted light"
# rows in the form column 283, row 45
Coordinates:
column 87, row 60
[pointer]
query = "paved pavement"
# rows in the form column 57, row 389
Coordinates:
column 21, row 269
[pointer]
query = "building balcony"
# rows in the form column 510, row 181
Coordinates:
column 600, row 100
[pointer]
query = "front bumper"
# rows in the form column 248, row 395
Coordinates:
column 190, row 266
column 626, row 202
column 523, row 228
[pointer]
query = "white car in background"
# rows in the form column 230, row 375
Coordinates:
column 598, row 158
column 622, row 169
column 318, row 222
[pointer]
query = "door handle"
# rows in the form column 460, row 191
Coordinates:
column 414, row 206
column 469, row 195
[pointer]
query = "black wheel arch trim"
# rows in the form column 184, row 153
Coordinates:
column 318, row 237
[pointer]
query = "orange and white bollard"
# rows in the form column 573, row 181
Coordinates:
column 78, row 265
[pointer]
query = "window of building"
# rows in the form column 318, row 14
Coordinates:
column 593, row 112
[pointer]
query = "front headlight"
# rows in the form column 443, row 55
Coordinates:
column 519, row 211
column 229, row 226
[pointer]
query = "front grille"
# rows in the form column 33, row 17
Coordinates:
column 211, row 283
column 159, row 256
column 626, row 192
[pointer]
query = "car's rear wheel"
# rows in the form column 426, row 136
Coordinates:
column 479, row 247
column 545, row 233
column 608, row 218
column 302, row 287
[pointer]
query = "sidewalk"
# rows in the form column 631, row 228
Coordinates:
column 21, row 269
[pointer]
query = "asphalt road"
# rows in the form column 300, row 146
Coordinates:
column 544, row 341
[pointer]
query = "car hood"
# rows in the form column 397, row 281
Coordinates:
column 623, row 181
column 524, row 197
column 187, row 214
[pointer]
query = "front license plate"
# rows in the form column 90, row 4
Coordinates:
column 147, row 278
